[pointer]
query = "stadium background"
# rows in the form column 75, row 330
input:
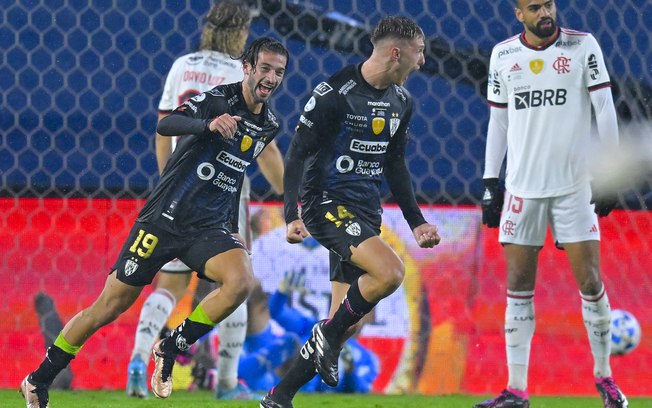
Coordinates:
column 80, row 85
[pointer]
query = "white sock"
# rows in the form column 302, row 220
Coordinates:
column 597, row 320
column 232, row 331
column 519, row 330
column 154, row 314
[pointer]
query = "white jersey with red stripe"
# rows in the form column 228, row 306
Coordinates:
column 195, row 73
column 546, row 91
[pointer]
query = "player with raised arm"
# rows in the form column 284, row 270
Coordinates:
column 542, row 86
column 353, row 130
column 191, row 214
column 223, row 39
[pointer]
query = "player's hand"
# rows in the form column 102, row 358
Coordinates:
column 426, row 235
column 296, row 231
column 293, row 281
column 492, row 203
column 225, row 124
column 603, row 204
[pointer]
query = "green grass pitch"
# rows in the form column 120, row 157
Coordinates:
column 200, row 399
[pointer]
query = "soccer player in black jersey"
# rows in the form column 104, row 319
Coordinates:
column 192, row 214
column 352, row 131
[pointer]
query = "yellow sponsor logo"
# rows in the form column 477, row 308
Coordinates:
column 377, row 125
column 247, row 141
column 536, row 65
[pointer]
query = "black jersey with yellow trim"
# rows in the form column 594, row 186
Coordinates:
column 201, row 183
column 355, row 128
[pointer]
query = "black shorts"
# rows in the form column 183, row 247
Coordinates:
column 149, row 247
column 338, row 227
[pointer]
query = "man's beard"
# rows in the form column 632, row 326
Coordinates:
column 544, row 32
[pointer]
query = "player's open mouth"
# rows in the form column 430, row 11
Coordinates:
column 265, row 90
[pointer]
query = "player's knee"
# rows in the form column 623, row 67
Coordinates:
column 239, row 287
column 247, row 286
column 392, row 276
column 105, row 313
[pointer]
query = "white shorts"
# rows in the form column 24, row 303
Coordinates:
column 176, row 266
column 571, row 218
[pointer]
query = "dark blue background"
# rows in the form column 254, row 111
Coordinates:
column 81, row 83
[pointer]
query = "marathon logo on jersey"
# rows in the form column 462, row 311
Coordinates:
column 593, row 67
column 377, row 125
column 536, row 66
column 323, row 88
column 509, row 51
column 379, row 104
column 538, row 98
column 231, row 161
column 215, row 92
column 347, row 87
column 252, row 126
column 362, row 146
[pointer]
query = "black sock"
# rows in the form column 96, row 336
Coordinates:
column 301, row 371
column 55, row 361
column 351, row 310
column 184, row 336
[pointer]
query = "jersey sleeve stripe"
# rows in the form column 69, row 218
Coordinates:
column 574, row 32
column 599, row 86
column 497, row 105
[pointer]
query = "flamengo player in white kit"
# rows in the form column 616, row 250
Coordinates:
column 542, row 86
column 222, row 41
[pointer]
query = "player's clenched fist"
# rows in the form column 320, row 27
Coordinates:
column 296, row 232
column 426, row 235
column 225, row 124
column 492, row 203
